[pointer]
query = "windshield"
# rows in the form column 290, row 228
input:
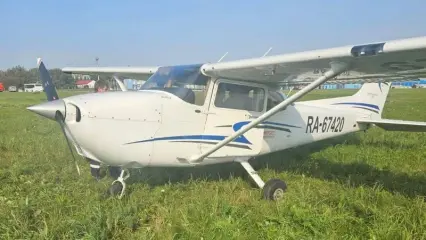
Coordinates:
column 29, row 85
column 182, row 81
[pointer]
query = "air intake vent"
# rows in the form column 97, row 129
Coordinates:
column 77, row 114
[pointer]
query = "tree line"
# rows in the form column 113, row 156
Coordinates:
column 18, row 76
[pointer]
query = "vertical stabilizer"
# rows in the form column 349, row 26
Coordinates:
column 371, row 98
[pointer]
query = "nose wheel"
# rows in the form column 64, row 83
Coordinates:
column 118, row 187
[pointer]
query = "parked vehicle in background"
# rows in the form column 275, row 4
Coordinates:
column 1, row 87
column 12, row 89
column 33, row 87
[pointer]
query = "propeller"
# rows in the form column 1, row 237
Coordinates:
column 60, row 119
column 54, row 107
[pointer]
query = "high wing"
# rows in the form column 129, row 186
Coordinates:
column 140, row 73
column 403, row 59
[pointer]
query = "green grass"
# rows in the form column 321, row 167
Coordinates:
column 363, row 186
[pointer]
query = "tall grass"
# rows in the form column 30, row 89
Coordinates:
column 364, row 186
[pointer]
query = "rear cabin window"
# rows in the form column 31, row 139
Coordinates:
column 241, row 97
column 274, row 98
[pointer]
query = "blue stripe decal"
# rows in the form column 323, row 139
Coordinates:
column 371, row 110
column 194, row 137
column 213, row 143
column 273, row 127
column 265, row 122
column 359, row 104
column 280, row 124
column 237, row 126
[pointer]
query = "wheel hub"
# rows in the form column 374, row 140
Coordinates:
column 278, row 194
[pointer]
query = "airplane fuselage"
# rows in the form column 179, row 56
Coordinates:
column 154, row 128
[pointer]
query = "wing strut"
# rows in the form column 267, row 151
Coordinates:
column 120, row 83
column 336, row 69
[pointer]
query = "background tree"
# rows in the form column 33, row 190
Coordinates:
column 18, row 76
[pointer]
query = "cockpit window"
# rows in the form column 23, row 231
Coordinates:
column 184, row 81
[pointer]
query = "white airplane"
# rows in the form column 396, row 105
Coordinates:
column 240, row 114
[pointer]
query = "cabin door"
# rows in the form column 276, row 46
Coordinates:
column 232, row 106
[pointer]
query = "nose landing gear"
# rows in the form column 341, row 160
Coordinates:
column 119, row 186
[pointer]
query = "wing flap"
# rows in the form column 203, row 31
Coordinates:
column 397, row 125
column 405, row 58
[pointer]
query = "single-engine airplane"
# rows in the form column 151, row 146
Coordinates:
column 190, row 115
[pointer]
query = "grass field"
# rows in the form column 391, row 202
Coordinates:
column 363, row 186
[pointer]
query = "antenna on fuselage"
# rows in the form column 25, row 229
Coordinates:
column 267, row 52
column 224, row 55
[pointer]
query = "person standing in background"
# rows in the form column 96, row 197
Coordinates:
column 101, row 86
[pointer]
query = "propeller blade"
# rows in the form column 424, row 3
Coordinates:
column 46, row 79
column 60, row 119
column 55, row 107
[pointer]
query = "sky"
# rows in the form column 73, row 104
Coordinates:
column 71, row 33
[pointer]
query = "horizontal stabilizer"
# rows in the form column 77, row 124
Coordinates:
column 397, row 125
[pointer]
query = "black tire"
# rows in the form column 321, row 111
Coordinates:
column 274, row 189
column 115, row 189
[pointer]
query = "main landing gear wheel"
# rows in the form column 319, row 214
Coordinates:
column 274, row 190
column 118, row 187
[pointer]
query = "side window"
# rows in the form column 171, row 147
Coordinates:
column 274, row 98
column 235, row 96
